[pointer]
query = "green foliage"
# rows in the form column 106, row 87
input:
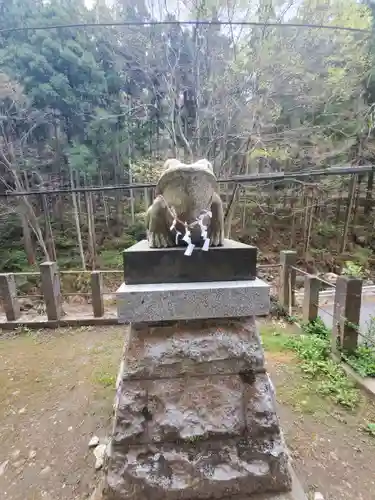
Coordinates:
column 353, row 269
column 317, row 328
column 105, row 379
column 314, row 351
column 369, row 428
column 103, row 101
column 111, row 259
column 326, row 229
column 13, row 260
column 370, row 332
column 362, row 360
column 81, row 158
column 362, row 256
column 137, row 231
column 275, row 338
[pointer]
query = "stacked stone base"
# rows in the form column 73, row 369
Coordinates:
column 195, row 415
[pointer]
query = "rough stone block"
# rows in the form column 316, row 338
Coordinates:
column 234, row 261
column 130, row 418
column 176, row 410
column 179, row 301
column 296, row 493
column 194, row 408
column 192, row 348
column 200, row 471
column 260, row 409
column 195, row 415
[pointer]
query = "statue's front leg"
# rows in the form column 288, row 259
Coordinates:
column 158, row 222
column 216, row 228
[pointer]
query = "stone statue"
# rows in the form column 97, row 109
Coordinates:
column 187, row 208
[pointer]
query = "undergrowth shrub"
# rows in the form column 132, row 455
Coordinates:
column 362, row 360
column 313, row 348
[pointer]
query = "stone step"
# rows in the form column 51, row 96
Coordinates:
column 201, row 471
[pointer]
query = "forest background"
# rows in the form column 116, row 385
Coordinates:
column 105, row 105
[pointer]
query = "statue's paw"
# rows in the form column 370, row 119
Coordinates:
column 157, row 240
column 163, row 241
column 150, row 239
column 217, row 238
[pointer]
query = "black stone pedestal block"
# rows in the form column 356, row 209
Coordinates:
column 233, row 261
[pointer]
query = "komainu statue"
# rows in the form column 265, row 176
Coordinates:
column 187, row 208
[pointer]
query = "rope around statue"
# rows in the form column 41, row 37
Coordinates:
column 199, row 221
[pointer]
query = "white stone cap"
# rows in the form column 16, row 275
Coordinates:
column 196, row 300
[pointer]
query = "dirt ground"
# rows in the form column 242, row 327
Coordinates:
column 57, row 389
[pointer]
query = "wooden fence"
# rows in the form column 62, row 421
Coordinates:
column 347, row 301
column 52, row 298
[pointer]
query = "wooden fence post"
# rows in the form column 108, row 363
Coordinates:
column 8, row 294
column 287, row 278
column 310, row 298
column 346, row 313
column 97, row 294
column 50, row 281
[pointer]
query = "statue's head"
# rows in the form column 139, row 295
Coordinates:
column 173, row 163
column 205, row 163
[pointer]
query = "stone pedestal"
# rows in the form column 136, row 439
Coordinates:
column 195, row 415
column 234, row 261
column 195, row 412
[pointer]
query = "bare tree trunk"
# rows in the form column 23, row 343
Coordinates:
column 338, row 207
column 353, row 183
column 231, row 207
column 49, row 239
column 293, row 230
column 76, row 220
column 77, row 184
column 50, row 243
column 130, row 173
column 357, row 197
column 118, row 194
column 27, row 240
column 146, row 199
column 309, row 219
column 59, row 205
column 370, row 185
column 26, row 207
column 105, row 204
column 303, row 205
column 91, row 228
column 132, row 202
column 90, row 225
